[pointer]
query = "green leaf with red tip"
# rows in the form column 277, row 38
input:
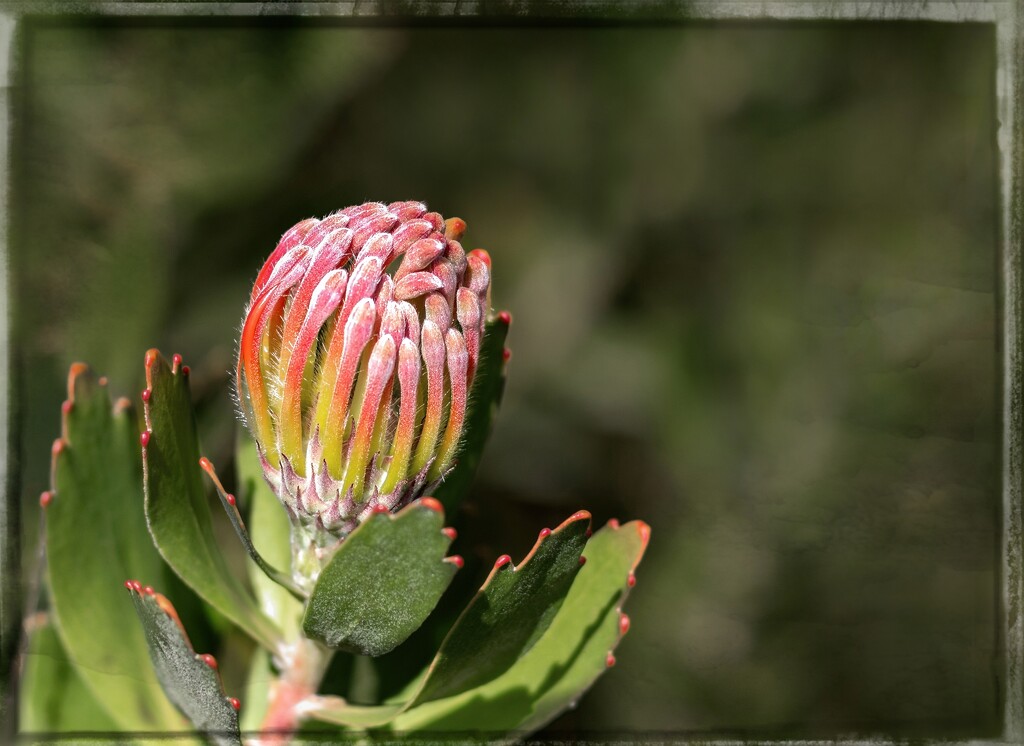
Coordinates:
column 383, row 581
column 190, row 681
column 484, row 400
column 505, row 619
column 566, row 661
column 509, row 614
column 270, row 531
column 234, row 514
column 95, row 538
column 52, row 696
column 176, row 502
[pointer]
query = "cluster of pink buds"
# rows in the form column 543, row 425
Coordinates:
column 358, row 350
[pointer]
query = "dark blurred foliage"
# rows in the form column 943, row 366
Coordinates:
column 753, row 274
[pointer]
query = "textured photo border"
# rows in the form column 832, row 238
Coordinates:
column 1007, row 18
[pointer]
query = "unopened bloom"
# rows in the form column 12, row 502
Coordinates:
column 357, row 353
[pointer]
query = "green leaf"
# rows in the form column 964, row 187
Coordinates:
column 501, row 624
column 382, row 582
column 191, row 681
column 53, row 698
column 509, row 613
column 484, row 400
column 95, row 538
column 176, row 502
column 566, row 661
column 230, row 505
column 271, row 534
column 257, row 690
column 339, row 712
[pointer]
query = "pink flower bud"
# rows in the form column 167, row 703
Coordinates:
column 355, row 382
column 416, row 284
column 419, row 256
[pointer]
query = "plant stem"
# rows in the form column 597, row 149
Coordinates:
column 303, row 664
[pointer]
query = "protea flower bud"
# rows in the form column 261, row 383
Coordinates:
column 357, row 354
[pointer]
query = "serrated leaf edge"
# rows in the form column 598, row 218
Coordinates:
column 146, row 592
column 230, row 505
column 624, row 623
column 532, row 723
column 318, row 706
column 264, row 631
column 423, row 503
column 59, row 449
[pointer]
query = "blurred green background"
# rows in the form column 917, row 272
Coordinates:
column 753, row 275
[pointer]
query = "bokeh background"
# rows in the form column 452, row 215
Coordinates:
column 752, row 270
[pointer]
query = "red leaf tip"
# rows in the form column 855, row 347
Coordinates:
column 545, row 533
column 67, row 406
column 631, row 580
column 76, row 370
column 623, row 624
column 148, row 590
column 454, row 228
column 450, row 532
column 230, row 498
column 145, row 438
column 579, row 515
column 583, row 561
column 147, row 395
column 58, row 446
column 152, row 355
column 209, row 660
column 378, row 508
column 432, row 504
column 456, row 560
column 613, row 524
column 45, row 499
column 235, row 703
column 505, row 317
column 128, row 585
column 506, row 354
column 185, row 370
column 502, row 561
column 175, row 360
column 610, row 660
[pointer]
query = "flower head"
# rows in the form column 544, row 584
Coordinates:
column 357, row 353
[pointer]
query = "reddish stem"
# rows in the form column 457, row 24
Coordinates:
column 304, row 667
